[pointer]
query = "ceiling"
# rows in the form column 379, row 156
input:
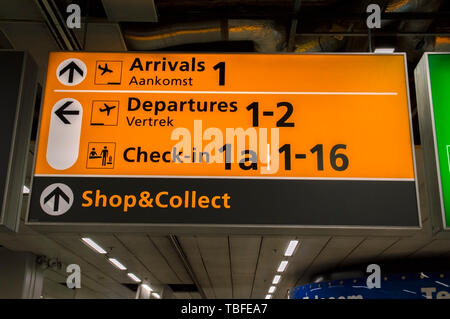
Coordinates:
column 219, row 266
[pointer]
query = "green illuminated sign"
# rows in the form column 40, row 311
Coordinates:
column 439, row 66
column 433, row 99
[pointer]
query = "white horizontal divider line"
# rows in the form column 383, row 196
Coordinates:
column 226, row 92
column 233, row 177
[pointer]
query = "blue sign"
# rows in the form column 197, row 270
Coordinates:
column 394, row 286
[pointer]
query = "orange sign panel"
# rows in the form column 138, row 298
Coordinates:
column 243, row 115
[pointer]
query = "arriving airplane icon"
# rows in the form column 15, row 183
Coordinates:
column 108, row 72
column 107, row 109
column 105, row 69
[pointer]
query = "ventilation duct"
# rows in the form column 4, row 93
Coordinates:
column 265, row 35
column 323, row 44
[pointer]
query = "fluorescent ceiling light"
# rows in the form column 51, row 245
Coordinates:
column 272, row 289
column 116, row 263
column 92, row 244
column 25, row 190
column 291, row 247
column 268, row 296
column 134, row 277
column 282, row 266
column 276, row 279
column 384, row 50
column 157, row 296
column 146, row 287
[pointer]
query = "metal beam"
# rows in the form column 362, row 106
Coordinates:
column 378, row 34
column 293, row 29
column 65, row 37
column 187, row 265
column 311, row 15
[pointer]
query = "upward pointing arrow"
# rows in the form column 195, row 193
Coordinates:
column 62, row 111
column 71, row 67
column 57, row 193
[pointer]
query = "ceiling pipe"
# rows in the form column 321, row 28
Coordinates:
column 398, row 6
column 416, row 45
column 410, row 44
column 442, row 44
column 266, row 36
column 323, row 43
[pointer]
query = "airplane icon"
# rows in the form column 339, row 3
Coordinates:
column 108, row 72
column 101, row 112
column 105, row 69
column 107, row 108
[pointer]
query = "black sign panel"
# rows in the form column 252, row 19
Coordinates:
column 197, row 201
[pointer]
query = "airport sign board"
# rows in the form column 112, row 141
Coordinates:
column 225, row 139
column 432, row 77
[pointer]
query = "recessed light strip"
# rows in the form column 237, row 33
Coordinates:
column 96, row 247
column 276, row 279
column 282, row 266
column 116, row 263
column 291, row 248
column 134, row 277
column 93, row 245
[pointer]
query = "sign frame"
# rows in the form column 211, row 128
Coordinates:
column 432, row 176
column 248, row 229
column 12, row 194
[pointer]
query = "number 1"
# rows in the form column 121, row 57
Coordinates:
column 221, row 67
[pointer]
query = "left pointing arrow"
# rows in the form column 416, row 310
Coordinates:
column 57, row 193
column 61, row 112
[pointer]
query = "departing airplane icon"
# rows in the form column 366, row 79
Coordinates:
column 105, row 69
column 107, row 109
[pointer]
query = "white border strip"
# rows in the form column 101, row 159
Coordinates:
column 234, row 177
column 226, row 92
